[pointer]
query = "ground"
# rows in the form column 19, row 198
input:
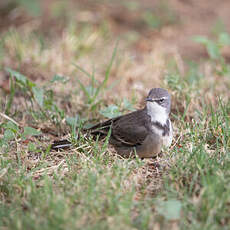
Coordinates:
column 69, row 64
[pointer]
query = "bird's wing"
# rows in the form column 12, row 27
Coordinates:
column 130, row 129
column 102, row 128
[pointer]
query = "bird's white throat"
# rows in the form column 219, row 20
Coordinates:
column 157, row 112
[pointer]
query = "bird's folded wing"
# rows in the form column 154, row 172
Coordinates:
column 100, row 128
column 130, row 130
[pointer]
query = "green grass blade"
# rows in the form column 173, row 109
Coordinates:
column 83, row 88
column 107, row 71
column 83, row 71
column 12, row 93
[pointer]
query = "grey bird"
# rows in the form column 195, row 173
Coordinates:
column 143, row 132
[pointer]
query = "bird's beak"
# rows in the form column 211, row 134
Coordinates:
column 149, row 99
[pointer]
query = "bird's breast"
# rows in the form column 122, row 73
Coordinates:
column 165, row 133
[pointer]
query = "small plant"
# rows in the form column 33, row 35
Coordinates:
column 26, row 86
column 114, row 111
column 43, row 97
column 12, row 132
column 111, row 111
column 95, row 88
column 214, row 48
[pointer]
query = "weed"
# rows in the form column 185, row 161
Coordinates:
column 95, row 88
column 214, row 48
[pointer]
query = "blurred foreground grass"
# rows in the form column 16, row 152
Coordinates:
column 51, row 84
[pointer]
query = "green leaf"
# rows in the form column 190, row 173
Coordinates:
column 201, row 39
column 38, row 95
column 212, row 47
column 91, row 90
column 128, row 105
column 170, row 209
column 19, row 77
column 59, row 78
column 8, row 135
column 224, row 39
column 32, row 147
column 152, row 20
column 72, row 121
column 12, row 126
column 111, row 111
column 29, row 131
column 213, row 50
column 30, row 84
column 33, row 7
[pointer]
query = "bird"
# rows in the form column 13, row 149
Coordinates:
column 143, row 132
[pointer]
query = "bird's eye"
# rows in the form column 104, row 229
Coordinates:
column 161, row 100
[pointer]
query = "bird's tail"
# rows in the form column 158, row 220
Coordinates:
column 63, row 144
column 100, row 129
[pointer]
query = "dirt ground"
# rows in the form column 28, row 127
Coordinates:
column 192, row 18
column 178, row 22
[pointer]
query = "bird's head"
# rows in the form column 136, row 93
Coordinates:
column 158, row 101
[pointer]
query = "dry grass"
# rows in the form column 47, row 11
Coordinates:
column 89, row 185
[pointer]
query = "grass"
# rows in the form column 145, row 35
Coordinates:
column 90, row 186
